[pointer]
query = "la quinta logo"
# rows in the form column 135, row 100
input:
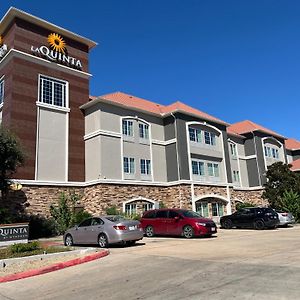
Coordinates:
column 57, row 51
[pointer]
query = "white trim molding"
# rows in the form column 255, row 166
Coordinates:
column 164, row 143
column 247, row 157
column 101, row 132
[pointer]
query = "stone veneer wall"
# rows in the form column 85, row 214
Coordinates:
column 95, row 199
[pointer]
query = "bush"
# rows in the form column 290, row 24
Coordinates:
column 5, row 216
column 80, row 216
column 64, row 213
column 19, row 248
column 241, row 205
column 113, row 210
column 290, row 201
column 41, row 227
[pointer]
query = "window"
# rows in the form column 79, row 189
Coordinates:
column 1, row 91
column 213, row 170
column 217, row 209
column 271, row 152
column 147, row 206
column 202, row 209
column 85, row 223
column 97, row 221
column 195, row 135
column 127, row 127
column 236, row 176
column 145, row 166
column 173, row 214
column 130, row 208
column 276, row 154
column 53, row 92
column 161, row 214
column 209, row 138
column 233, row 150
column 150, row 215
column 144, row 131
column 198, row 167
column 128, row 165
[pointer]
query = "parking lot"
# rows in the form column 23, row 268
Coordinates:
column 237, row 264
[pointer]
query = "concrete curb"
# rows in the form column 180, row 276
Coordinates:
column 55, row 267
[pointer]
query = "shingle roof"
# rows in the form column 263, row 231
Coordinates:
column 292, row 144
column 134, row 102
column 295, row 165
column 249, row 126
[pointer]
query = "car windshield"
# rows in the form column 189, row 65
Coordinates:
column 190, row 214
column 116, row 218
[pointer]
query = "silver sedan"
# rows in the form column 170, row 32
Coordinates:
column 103, row 231
column 285, row 218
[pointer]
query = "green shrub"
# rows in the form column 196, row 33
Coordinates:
column 41, row 227
column 290, row 201
column 19, row 248
column 113, row 210
column 80, row 216
column 5, row 216
column 162, row 204
column 64, row 213
column 241, row 205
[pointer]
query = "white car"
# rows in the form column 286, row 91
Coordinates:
column 285, row 218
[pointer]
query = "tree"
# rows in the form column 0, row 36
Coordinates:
column 11, row 157
column 290, row 201
column 279, row 179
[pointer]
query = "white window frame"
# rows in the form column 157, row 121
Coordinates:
column 199, row 162
column 218, row 209
column 130, row 208
column 211, row 137
column 130, row 164
column 236, row 176
column 127, row 128
column 233, row 149
column 201, row 204
column 197, row 133
column 143, row 131
column 147, row 166
column 2, row 85
column 213, row 169
column 65, row 91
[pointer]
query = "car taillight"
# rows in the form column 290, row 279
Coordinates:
column 120, row 227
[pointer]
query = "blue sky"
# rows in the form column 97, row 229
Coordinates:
column 236, row 60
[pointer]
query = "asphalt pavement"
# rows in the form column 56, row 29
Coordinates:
column 237, row 264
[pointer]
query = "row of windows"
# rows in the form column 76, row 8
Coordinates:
column 129, row 166
column 127, row 129
column 131, row 208
column 198, row 168
column 199, row 136
column 271, row 152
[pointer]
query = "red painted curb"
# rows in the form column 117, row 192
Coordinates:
column 54, row 267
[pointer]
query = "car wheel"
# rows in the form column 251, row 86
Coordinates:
column 259, row 224
column 102, row 241
column 69, row 240
column 188, row 232
column 227, row 224
column 149, row 231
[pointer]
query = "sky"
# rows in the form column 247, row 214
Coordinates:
column 235, row 60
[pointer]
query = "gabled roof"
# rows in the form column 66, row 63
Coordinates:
column 136, row 103
column 231, row 132
column 295, row 165
column 249, row 126
column 292, row 144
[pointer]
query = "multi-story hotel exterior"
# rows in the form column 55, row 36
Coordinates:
column 118, row 149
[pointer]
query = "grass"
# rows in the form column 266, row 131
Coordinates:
column 9, row 252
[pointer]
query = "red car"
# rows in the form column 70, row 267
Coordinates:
column 182, row 222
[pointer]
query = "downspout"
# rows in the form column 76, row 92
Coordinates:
column 259, row 175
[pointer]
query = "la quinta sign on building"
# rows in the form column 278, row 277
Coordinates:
column 57, row 52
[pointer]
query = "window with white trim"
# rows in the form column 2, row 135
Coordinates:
column 271, row 152
column 145, row 166
column 202, row 209
column 195, row 135
column 147, row 206
column 236, row 176
column 209, row 138
column 213, row 170
column 232, row 150
column 127, row 127
column 1, row 91
column 53, row 91
column 129, row 165
column 130, row 208
column 217, row 209
column 144, row 131
column 198, row 168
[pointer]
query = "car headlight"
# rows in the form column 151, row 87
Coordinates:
column 201, row 224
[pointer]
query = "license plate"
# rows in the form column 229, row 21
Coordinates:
column 213, row 229
column 132, row 228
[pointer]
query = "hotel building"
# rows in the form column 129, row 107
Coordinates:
column 119, row 149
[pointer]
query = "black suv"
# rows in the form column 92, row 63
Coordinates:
column 251, row 217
